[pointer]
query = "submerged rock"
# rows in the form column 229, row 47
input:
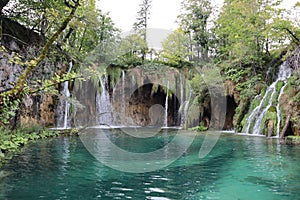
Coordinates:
column 4, row 174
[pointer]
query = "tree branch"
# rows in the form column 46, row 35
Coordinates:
column 293, row 36
column 20, row 84
column 53, row 84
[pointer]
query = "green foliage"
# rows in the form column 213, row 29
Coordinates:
column 130, row 51
column 12, row 141
column 279, row 85
column 246, row 31
column 154, row 89
column 199, row 128
column 239, row 119
column 194, row 22
column 114, row 73
column 8, row 109
column 140, row 26
column 271, row 116
column 175, row 48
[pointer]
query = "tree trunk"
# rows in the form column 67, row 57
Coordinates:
column 287, row 121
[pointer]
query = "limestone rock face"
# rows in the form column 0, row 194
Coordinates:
column 137, row 97
column 37, row 109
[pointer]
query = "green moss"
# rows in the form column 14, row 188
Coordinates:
column 244, row 122
column 115, row 74
column 199, row 128
column 255, row 103
column 291, row 139
column 240, row 113
column 271, row 115
column 267, row 100
column 279, row 85
column 263, row 91
column 154, row 89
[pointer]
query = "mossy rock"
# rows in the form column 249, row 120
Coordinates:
column 279, row 85
column 199, row 128
column 291, row 139
column 255, row 103
column 272, row 109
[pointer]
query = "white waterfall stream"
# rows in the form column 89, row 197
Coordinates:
column 186, row 108
column 63, row 120
column 104, row 105
column 278, row 109
column 181, row 89
column 166, row 106
column 259, row 113
column 123, row 112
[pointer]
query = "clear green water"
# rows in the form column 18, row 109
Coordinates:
column 239, row 167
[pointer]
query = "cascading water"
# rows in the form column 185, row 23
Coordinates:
column 278, row 108
column 123, row 94
column 186, row 108
column 166, row 106
column 183, row 110
column 181, row 89
column 257, row 116
column 180, row 110
column 104, row 105
column 63, row 120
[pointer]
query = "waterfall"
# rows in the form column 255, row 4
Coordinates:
column 166, row 106
column 181, row 89
column 284, row 74
column 123, row 95
column 254, row 113
column 183, row 109
column 259, row 113
column 185, row 95
column 278, row 108
column 64, row 105
column 180, row 113
column 271, row 90
column 104, row 105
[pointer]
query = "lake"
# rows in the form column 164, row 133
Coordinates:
column 238, row 167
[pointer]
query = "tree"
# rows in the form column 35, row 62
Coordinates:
column 246, row 30
column 175, row 47
column 141, row 25
column 194, row 22
column 130, row 50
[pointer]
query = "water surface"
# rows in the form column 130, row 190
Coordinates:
column 239, row 167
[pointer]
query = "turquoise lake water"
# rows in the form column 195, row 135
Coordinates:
column 238, row 167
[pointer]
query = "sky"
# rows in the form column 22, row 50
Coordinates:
column 163, row 12
column 162, row 18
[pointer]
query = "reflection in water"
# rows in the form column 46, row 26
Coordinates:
column 239, row 167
